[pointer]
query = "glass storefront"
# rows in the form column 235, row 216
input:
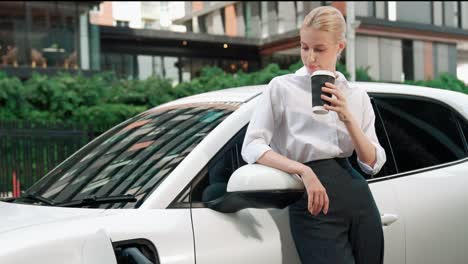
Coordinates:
column 178, row 69
column 12, row 33
column 124, row 65
column 40, row 34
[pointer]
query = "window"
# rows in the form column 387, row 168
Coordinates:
column 170, row 69
column 299, row 10
column 121, row 23
column 365, row 9
column 212, row 183
column 133, row 158
column 202, row 24
column 124, row 65
column 371, row 9
column 391, row 11
column 223, row 18
column 408, row 59
column 145, row 66
column 464, row 127
column 421, row 133
column 389, row 167
column 264, row 18
column 412, row 11
column 451, row 13
column 150, row 24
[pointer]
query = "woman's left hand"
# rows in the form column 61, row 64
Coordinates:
column 337, row 102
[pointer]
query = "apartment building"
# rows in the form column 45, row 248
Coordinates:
column 139, row 39
column 139, row 15
column 396, row 40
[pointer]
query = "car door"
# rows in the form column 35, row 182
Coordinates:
column 247, row 236
column 384, row 193
column 431, row 181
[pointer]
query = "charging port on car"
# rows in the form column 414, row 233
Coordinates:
column 135, row 251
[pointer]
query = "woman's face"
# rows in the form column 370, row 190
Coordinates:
column 319, row 50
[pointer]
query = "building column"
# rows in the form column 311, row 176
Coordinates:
column 95, row 48
column 350, row 39
column 195, row 27
column 84, row 42
column 428, row 60
column 230, row 20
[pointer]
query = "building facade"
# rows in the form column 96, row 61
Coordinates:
column 395, row 40
column 139, row 15
column 138, row 40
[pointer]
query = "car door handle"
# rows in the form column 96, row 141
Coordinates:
column 388, row 219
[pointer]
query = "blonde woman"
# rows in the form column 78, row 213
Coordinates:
column 337, row 220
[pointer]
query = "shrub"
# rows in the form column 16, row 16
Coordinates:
column 362, row 74
column 106, row 115
column 12, row 97
column 443, row 81
column 107, row 100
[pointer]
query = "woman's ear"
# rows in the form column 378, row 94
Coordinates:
column 341, row 46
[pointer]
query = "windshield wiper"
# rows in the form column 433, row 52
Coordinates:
column 7, row 199
column 38, row 198
column 93, row 200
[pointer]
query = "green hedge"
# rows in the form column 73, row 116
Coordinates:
column 105, row 100
column 444, row 81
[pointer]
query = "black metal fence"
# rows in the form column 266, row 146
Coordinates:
column 28, row 151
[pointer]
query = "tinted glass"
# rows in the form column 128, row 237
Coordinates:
column 464, row 126
column 135, row 158
column 389, row 167
column 421, row 133
column 213, row 185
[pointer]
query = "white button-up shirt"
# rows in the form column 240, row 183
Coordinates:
column 284, row 122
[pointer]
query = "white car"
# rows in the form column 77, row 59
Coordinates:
column 169, row 186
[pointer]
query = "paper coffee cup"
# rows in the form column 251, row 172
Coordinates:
column 317, row 81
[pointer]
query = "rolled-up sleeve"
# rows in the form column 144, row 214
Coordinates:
column 368, row 127
column 262, row 126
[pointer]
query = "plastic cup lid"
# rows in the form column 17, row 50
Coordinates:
column 324, row 72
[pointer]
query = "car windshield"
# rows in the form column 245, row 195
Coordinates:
column 132, row 158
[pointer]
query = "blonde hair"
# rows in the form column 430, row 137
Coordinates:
column 327, row 18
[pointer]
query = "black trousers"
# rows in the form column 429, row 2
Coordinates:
column 351, row 231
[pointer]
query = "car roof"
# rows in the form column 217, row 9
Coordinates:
column 244, row 94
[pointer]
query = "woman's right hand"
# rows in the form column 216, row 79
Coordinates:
column 318, row 198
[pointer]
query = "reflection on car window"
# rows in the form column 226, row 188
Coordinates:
column 136, row 158
column 421, row 133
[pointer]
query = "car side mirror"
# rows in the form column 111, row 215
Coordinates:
column 258, row 186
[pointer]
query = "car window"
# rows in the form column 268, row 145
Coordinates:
column 134, row 159
column 464, row 126
column 212, row 182
column 422, row 133
column 389, row 167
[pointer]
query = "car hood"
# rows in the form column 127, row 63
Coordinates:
column 17, row 216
